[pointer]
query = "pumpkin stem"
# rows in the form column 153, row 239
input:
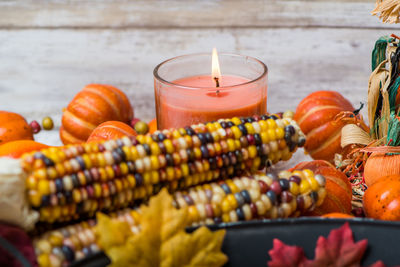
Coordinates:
column 359, row 109
column 348, row 116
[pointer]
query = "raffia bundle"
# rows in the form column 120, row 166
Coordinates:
column 388, row 10
column 382, row 135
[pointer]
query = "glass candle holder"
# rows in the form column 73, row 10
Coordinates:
column 186, row 94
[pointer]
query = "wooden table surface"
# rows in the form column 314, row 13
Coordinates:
column 49, row 50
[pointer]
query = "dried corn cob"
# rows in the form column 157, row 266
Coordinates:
column 264, row 196
column 65, row 245
column 231, row 200
column 77, row 180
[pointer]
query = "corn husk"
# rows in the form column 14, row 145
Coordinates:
column 353, row 134
column 379, row 100
column 14, row 206
column 385, row 113
column 377, row 79
column 387, row 10
column 382, row 93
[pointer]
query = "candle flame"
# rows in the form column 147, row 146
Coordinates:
column 215, row 70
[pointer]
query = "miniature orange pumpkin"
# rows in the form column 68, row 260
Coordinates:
column 382, row 199
column 111, row 130
column 315, row 115
column 14, row 127
column 16, row 149
column 379, row 165
column 338, row 188
column 95, row 104
column 153, row 125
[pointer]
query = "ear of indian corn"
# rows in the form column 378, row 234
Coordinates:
column 258, row 197
column 75, row 181
column 266, row 196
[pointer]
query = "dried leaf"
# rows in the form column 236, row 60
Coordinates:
column 376, row 81
column 284, row 255
column 378, row 264
column 162, row 240
column 381, row 97
column 339, row 248
column 201, row 248
column 121, row 255
column 160, row 219
column 385, row 112
column 110, row 233
column 112, row 236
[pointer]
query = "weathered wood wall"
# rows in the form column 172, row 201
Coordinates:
column 50, row 49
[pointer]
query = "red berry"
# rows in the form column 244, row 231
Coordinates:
column 35, row 126
column 358, row 212
column 134, row 121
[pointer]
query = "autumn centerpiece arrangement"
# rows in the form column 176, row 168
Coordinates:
column 217, row 172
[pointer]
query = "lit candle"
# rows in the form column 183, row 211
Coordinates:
column 193, row 96
column 215, row 70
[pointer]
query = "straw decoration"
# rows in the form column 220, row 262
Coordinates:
column 388, row 10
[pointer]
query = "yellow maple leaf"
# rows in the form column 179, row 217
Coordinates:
column 201, row 248
column 162, row 240
column 110, row 233
column 112, row 236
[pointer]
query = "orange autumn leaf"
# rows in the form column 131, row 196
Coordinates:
column 162, row 240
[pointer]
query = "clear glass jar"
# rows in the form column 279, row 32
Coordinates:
column 186, row 94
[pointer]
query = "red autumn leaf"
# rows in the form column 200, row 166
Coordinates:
column 284, row 255
column 378, row 264
column 339, row 248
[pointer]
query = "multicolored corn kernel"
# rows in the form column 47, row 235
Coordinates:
column 77, row 180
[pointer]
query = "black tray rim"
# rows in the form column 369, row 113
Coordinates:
column 300, row 220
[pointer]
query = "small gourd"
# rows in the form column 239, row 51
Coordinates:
column 111, row 130
column 95, row 104
column 14, row 127
column 338, row 188
column 315, row 115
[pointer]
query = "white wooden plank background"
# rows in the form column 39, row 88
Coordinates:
column 187, row 13
column 50, row 49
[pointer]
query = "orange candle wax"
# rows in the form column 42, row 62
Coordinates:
column 202, row 101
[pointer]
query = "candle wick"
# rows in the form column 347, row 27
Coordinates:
column 216, row 81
